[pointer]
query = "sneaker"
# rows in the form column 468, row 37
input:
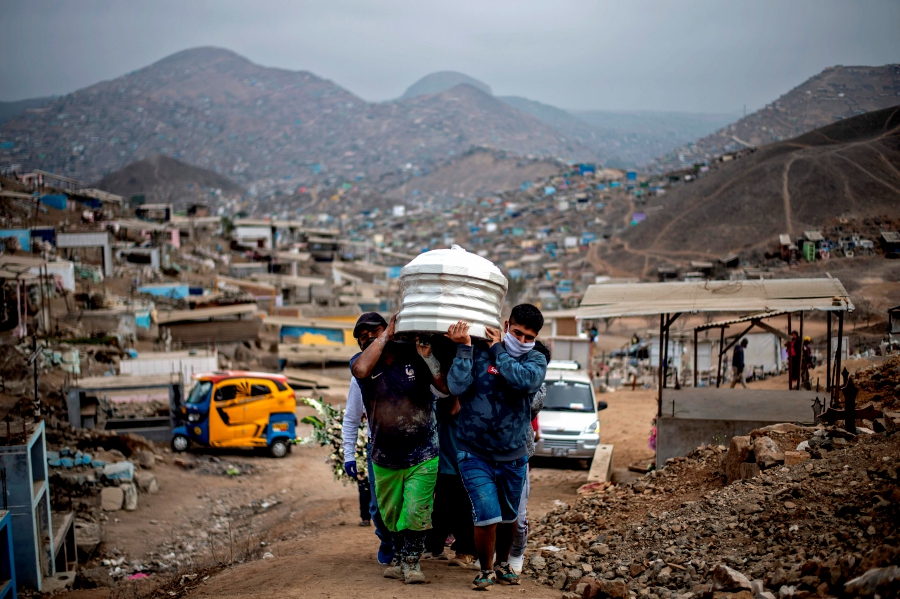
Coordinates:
column 516, row 563
column 505, row 574
column 385, row 555
column 365, row 523
column 439, row 557
column 463, row 560
column 394, row 570
column 449, row 540
column 484, row 580
column 412, row 572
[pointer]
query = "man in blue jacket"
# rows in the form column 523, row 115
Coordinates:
column 494, row 381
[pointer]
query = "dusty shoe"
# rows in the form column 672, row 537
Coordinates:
column 394, row 570
column 516, row 563
column 435, row 556
column 412, row 572
column 484, row 580
column 463, row 560
column 505, row 574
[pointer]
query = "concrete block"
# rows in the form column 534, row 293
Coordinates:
column 119, row 471
column 111, row 499
column 131, row 496
column 601, row 467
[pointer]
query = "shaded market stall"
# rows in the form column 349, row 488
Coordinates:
column 688, row 417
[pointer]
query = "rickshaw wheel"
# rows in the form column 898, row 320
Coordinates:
column 180, row 443
column 278, row 448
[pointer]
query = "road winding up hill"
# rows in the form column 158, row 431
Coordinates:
column 850, row 168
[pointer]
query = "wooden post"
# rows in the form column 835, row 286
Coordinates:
column 695, row 358
column 664, row 353
column 790, row 349
column 837, row 358
column 828, row 356
column 719, row 366
column 800, row 357
column 662, row 321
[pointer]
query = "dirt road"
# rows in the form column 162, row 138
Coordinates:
column 309, row 522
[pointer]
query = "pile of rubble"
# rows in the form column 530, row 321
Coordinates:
column 821, row 524
column 879, row 385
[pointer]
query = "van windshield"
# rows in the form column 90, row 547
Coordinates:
column 569, row 396
column 199, row 392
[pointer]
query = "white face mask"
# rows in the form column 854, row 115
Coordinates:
column 515, row 347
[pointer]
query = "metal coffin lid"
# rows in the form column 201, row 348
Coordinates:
column 441, row 287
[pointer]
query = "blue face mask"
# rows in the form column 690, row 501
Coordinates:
column 514, row 347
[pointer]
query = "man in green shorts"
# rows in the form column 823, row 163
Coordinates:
column 396, row 380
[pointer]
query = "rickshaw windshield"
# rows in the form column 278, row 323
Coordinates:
column 199, row 392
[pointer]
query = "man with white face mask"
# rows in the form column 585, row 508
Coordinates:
column 494, row 381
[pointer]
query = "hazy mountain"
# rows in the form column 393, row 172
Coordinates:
column 164, row 179
column 10, row 109
column 436, row 83
column 265, row 128
column 834, row 94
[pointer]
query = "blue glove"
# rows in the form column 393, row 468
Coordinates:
column 350, row 469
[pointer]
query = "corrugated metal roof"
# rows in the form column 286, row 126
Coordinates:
column 789, row 295
column 740, row 319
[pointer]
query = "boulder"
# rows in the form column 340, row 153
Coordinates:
column 588, row 588
column 615, row 589
column 111, row 499
column 130, row 495
column 749, row 470
column 146, row 482
column 768, row 453
column 727, row 579
column 738, row 452
column 145, row 459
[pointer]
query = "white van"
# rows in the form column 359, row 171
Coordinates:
column 568, row 426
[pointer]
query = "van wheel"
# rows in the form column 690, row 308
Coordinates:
column 278, row 448
column 180, row 443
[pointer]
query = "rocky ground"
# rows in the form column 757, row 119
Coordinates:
column 804, row 530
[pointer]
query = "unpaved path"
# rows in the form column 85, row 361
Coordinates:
column 312, row 532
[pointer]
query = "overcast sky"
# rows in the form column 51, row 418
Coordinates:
column 686, row 55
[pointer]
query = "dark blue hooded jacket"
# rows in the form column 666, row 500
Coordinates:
column 495, row 408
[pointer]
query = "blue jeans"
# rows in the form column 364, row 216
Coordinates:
column 494, row 488
column 386, row 550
